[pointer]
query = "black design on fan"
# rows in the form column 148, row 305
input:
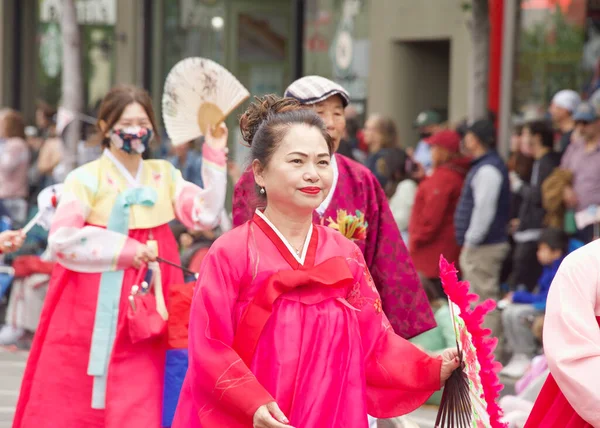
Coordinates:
column 455, row 407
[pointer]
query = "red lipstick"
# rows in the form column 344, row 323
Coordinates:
column 311, row 190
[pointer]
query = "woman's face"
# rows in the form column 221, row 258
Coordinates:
column 331, row 112
column 528, row 142
column 373, row 136
column 133, row 115
column 299, row 175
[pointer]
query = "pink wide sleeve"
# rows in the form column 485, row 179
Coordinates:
column 400, row 377
column 200, row 208
column 224, row 389
column 571, row 332
column 80, row 247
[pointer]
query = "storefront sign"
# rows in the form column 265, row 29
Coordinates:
column 103, row 12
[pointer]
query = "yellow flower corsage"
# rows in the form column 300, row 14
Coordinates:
column 352, row 227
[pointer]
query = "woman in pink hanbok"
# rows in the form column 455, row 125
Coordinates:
column 287, row 327
column 570, row 397
column 94, row 363
column 354, row 188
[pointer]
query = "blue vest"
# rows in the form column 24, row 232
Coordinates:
column 462, row 217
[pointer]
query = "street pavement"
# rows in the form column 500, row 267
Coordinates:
column 12, row 365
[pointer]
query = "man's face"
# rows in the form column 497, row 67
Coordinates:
column 471, row 143
column 331, row 110
column 589, row 131
column 428, row 130
column 558, row 113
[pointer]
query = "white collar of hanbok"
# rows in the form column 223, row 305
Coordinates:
column 336, row 173
column 131, row 180
column 302, row 256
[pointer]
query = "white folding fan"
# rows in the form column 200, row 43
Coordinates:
column 198, row 94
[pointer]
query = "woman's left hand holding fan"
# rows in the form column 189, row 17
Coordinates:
column 450, row 362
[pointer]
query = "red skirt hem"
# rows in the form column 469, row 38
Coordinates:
column 552, row 409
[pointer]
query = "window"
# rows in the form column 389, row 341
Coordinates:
column 558, row 48
column 192, row 28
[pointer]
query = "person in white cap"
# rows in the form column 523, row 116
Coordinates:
column 564, row 103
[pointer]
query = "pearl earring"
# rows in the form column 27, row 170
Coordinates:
column 262, row 190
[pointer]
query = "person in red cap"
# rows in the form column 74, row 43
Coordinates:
column 431, row 227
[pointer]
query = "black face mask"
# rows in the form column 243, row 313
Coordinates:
column 424, row 135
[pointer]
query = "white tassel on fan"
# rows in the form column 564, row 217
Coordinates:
column 199, row 94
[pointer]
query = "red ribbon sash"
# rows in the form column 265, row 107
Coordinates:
column 333, row 273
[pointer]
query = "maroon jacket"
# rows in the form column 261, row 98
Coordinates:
column 431, row 227
column 404, row 300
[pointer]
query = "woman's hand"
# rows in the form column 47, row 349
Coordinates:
column 270, row 416
column 450, row 362
column 11, row 240
column 217, row 137
column 144, row 254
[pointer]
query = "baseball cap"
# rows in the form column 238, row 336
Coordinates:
column 585, row 112
column 448, row 139
column 310, row 90
column 428, row 117
column 567, row 99
column 484, row 130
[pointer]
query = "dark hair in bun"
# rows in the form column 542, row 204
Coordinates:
column 267, row 121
